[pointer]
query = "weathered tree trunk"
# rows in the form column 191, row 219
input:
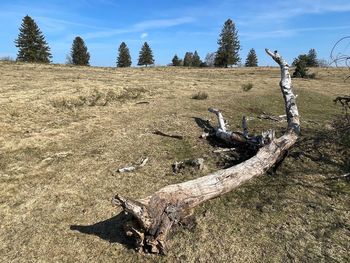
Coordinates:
column 173, row 204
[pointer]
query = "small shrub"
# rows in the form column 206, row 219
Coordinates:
column 131, row 93
column 312, row 76
column 201, row 95
column 301, row 70
column 247, row 86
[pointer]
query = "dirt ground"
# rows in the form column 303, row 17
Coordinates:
column 65, row 130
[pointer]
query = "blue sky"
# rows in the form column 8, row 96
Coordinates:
column 292, row 27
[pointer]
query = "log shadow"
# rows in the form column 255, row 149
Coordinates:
column 110, row 230
column 328, row 151
column 175, row 136
column 203, row 124
column 208, row 128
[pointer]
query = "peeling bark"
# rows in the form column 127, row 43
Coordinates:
column 173, row 204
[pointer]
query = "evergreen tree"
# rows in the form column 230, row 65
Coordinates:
column 252, row 59
column 188, row 59
column 229, row 46
column 301, row 58
column 312, row 58
column 124, row 58
column 301, row 70
column 309, row 59
column 176, row 61
column 31, row 43
column 79, row 53
column 196, row 60
column 146, row 56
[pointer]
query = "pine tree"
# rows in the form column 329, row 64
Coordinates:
column 176, row 61
column 196, row 60
column 229, row 46
column 301, row 71
column 79, row 53
column 252, row 59
column 312, row 58
column 309, row 59
column 188, row 59
column 301, row 58
column 31, row 43
column 124, row 58
column 146, row 56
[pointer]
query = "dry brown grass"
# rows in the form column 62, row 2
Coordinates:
column 64, row 129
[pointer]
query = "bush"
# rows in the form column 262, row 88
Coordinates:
column 201, row 95
column 247, row 86
column 312, row 76
column 301, row 71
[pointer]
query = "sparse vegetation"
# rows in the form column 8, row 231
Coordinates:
column 200, row 95
column 210, row 59
column 97, row 98
column 247, row 86
column 55, row 165
column 7, row 59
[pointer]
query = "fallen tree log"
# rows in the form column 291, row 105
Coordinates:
column 155, row 215
column 230, row 137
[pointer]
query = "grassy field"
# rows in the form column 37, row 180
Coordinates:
column 65, row 130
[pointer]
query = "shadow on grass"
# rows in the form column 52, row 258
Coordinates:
column 208, row 128
column 110, row 230
column 241, row 153
column 322, row 151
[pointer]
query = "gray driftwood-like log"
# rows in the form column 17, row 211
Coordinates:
column 156, row 214
column 230, row 137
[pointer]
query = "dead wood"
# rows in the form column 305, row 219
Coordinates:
column 155, row 215
column 157, row 132
column 142, row 162
column 278, row 118
column 224, row 150
column 142, row 102
column 197, row 163
column 240, row 138
column 345, row 103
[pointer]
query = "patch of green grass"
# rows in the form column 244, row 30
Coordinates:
column 178, row 149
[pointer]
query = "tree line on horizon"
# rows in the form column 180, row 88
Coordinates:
column 32, row 47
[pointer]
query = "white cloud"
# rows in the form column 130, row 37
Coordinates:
column 143, row 35
column 283, row 11
column 288, row 32
column 139, row 27
column 162, row 23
